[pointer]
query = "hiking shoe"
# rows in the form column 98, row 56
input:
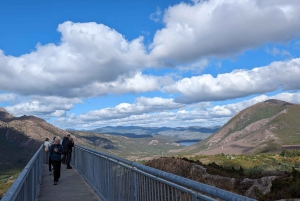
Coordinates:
column 55, row 183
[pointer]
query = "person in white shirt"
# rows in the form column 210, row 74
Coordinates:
column 46, row 147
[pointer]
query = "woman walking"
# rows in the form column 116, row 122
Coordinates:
column 55, row 155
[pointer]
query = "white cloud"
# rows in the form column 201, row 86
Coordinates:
column 135, row 83
column 221, row 28
column 88, row 54
column 138, row 114
column 142, row 105
column 43, row 107
column 7, row 97
column 239, row 83
column 156, row 16
column 275, row 51
column 94, row 56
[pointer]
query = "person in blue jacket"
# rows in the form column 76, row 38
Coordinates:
column 55, row 151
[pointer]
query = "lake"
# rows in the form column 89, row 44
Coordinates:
column 187, row 142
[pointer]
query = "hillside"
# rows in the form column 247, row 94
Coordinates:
column 20, row 137
column 269, row 126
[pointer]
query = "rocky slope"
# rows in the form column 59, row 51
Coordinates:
column 264, row 127
column 253, row 186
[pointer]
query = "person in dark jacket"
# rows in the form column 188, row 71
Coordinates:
column 64, row 144
column 55, row 151
column 69, row 146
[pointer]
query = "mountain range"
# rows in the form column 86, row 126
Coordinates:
column 268, row 126
column 264, row 127
column 189, row 133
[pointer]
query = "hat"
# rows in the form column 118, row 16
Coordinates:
column 57, row 138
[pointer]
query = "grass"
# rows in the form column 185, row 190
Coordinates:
column 254, row 164
column 12, row 162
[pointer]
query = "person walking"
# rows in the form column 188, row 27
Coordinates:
column 69, row 146
column 50, row 161
column 55, row 154
column 64, row 144
column 46, row 147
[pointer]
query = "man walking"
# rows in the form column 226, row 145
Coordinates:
column 69, row 145
column 64, row 144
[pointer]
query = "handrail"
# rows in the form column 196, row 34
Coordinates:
column 92, row 158
column 114, row 178
column 26, row 186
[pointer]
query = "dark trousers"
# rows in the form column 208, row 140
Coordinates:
column 63, row 160
column 46, row 157
column 56, row 169
column 68, row 158
column 50, row 163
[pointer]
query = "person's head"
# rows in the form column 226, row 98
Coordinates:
column 68, row 135
column 57, row 140
column 71, row 139
column 47, row 139
column 54, row 138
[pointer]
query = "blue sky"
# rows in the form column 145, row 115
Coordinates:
column 88, row 64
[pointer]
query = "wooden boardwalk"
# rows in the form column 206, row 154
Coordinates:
column 71, row 187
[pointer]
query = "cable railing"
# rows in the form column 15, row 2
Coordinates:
column 114, row 179
column 26, row 186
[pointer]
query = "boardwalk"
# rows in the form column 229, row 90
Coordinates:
column 71, row 187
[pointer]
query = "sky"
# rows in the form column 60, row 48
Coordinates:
column 94, row 63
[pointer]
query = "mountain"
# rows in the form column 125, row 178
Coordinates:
column 264, row 127
column 20, row 137
column 192, row 132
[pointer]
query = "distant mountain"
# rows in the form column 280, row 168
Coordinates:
column 192, row 132
column 264, row 127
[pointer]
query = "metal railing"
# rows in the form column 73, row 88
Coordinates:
column 26, row 186
column 115, row 179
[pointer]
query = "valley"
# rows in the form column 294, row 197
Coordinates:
column 257, row 147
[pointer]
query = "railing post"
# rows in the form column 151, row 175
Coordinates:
column 107, row 179
column 133, row 185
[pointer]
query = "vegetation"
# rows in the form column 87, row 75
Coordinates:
column 7, row 178
column 285, row 165
column 284, row 187
column 255, row 164
column 11, row 163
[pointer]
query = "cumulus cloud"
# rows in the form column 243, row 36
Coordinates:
column 142, row 105
column 200, row 114
column 135, row 83
column 239, row 83
column 44, row 107
column 221, row 28
column 89, row 53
